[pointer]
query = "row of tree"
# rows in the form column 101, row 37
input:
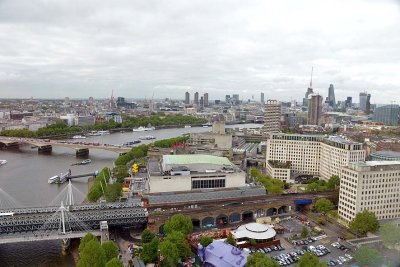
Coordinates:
column 101, row 187
column 273, row 186
column 316, row 185
column 173, row 247
column 60, row 128
column 92, row 254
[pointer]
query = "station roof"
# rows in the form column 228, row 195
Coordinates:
column 254, row 231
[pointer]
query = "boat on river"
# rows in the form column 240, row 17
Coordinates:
column 143, row 129
column 2, row 162
column 78, row 137
column 94, row 133
column 188, row 126
column 206, row 125
column 103, row 132
column 147, row 137
column 59, row 179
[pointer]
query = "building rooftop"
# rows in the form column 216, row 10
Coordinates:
column 195, row 159
column 375, row 165
column 254, row 231
column 341, row 140
column 219, row 253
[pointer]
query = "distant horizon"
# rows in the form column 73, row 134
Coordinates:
column 53, row 49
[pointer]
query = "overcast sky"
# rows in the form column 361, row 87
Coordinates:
column 89, row 48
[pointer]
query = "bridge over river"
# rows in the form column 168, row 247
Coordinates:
column 46, row 145
column 67, row 221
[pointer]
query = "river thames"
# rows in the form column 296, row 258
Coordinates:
column 25, row 175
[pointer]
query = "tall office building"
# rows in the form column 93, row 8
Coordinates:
column 372, row 186
column 205, row 99
column 368, row 104
column 227, row 98
column 363, row 101
column 349, row 102
column 262, row 98
column 196, row 98
column 201, row 102
column 306, row 96
column 187, row 98
column 272, row 116
column 331, row 97
column 314, row 109
column 388, row 115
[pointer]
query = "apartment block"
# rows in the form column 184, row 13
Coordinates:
column 372, row 186
column 313, row 154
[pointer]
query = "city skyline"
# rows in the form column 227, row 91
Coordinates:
column 55, row 50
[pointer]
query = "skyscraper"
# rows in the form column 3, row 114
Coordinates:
column 205, row 99
column 309, row 91
column 368, row 104
column 314, row 109
column 349, row 102
column 196, row 98
column 272, row 116
column 187, row 98
column 389, row 115
column 363, row 101
column 331, row 96
column 262, row 98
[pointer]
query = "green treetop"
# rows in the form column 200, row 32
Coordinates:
column 324, row 205
column 310, row 260
column 110, row 249
column 259, row 259
column 364, row 222
column 179, row 223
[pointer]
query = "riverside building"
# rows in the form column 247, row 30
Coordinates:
column 289, row 155
column 372, row 186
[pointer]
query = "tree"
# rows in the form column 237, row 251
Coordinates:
column 304, row 232
column 170, row 254
column 147, row 236
column 324, row 205
column 321, row 220
column 110, row 250
column 310, row 260
column 181, row 243
column 367, row 256
column 149, row 252
column 364, row 222
column 113, row 192
column 390, row 234
column 92, row 255
column 259, row 259
column 206, row 240
column 86, row 239
column 180, row 223
column 114, row 263
column 312, row 187
column 230, row 240
column 333, row 182
column 254, row 173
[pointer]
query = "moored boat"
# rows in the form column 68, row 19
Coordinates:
column 78, row 137
column 2, row 162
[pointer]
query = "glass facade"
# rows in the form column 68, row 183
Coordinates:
column 212, row 183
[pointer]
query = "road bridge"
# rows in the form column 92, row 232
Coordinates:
column 45, row 145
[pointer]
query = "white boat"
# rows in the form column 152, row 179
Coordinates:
column 86, row 161
column 103, row 132
column 206, row 125
column 147, row 137
column 53, row 179
column 143, row 129
column 2, row 162
column 78, row 137
column 188, row 126
column 94, row 133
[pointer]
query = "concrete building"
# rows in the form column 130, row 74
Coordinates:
column 337, row 152
column 331, row 97
column 262, row 98
column 205, row 99
column 385, row 155
column 363, row 101
column 196, row 98
column 372, row 186
column 388, row 115
column 272, row 116
column 310, row 155
column 84, row 120
column 193, row 172
column 215, row 139
column 314, row 109
column 187, row 98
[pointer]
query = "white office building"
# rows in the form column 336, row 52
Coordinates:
column 372, row 186
column 311, row 154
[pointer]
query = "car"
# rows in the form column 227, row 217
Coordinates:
column 343, row 259
column 348, row 256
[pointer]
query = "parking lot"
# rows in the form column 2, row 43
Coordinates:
column 326, row 247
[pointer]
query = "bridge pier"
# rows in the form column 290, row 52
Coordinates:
column 45, row 149
column 82, row 152
column 65, row 246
